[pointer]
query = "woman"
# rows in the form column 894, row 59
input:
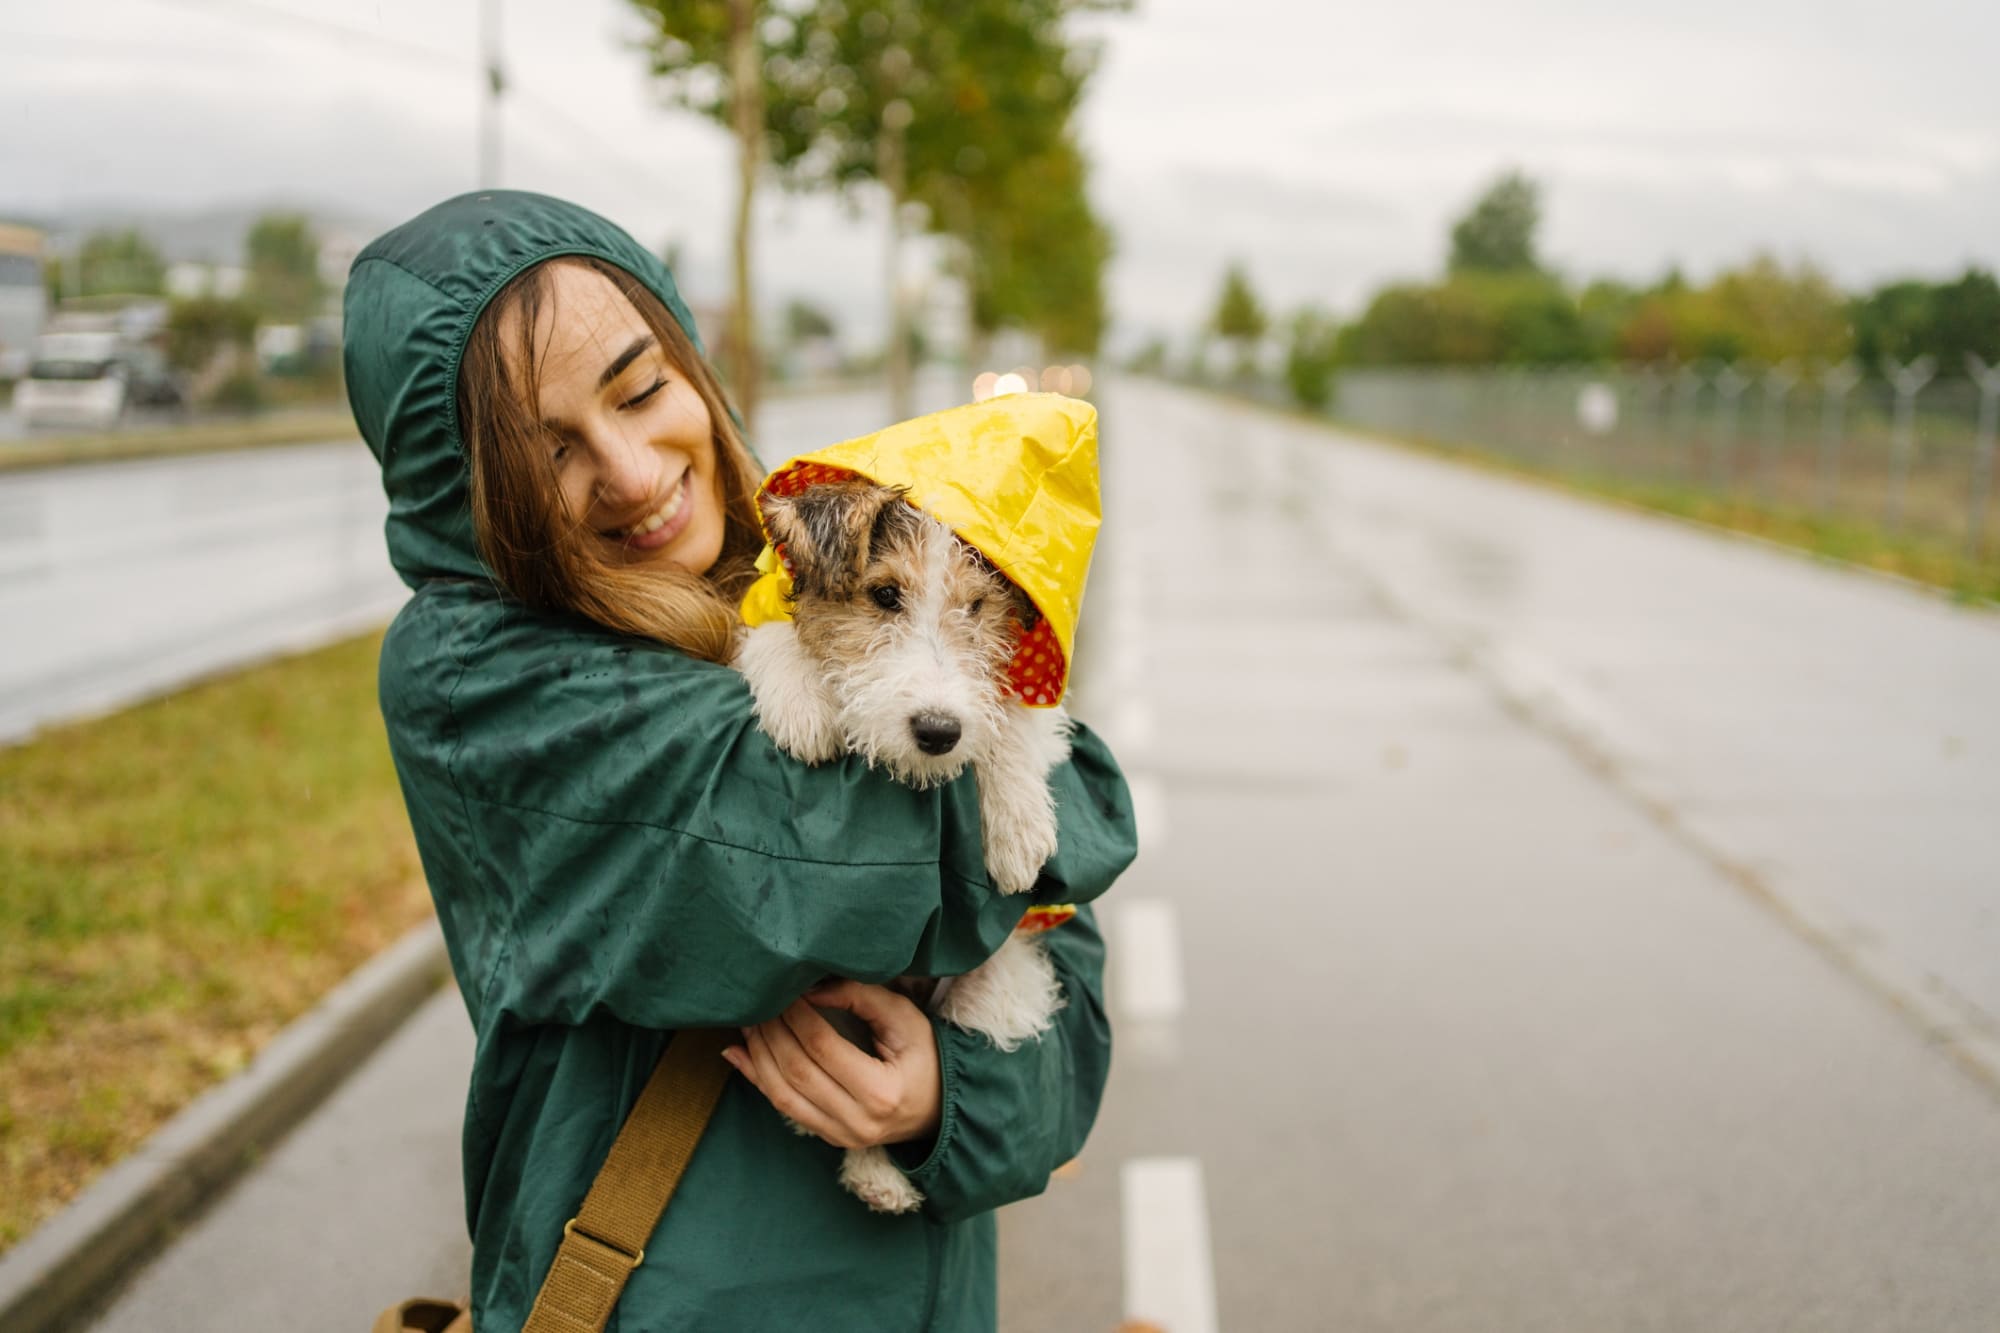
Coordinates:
column 617, row 852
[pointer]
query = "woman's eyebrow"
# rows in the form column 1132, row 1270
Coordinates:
column 625, row 358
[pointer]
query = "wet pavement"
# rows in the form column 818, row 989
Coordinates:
column 119, row 581
column 1458, row 985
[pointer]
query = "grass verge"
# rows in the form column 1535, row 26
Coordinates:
column 1936, row 562
column 210, row 437
column 182, row 879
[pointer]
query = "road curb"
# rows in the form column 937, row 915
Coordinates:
column 72, row 1260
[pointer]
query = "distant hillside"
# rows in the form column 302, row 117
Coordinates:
column 211, row 235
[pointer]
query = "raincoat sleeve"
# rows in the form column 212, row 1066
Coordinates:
column 608, row 834
column 1010, row 1118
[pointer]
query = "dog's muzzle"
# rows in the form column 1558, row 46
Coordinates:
column 935, row 732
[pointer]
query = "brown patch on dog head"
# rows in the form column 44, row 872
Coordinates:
column 828, row 532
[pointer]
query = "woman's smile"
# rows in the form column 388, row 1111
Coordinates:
column 660, row 526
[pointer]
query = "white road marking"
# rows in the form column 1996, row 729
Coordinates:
column 1148, row 961
column 1169, row 1273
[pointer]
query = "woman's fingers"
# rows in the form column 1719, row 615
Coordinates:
column 865, row 1081
column 767, row 1071
column 896, row 1022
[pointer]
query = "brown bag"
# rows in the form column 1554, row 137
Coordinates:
column 606, row 1240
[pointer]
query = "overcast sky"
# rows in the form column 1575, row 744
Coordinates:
column 1325, row 145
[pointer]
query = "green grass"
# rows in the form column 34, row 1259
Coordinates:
column 291, row 427
column 1938, row 562
column 182, row 879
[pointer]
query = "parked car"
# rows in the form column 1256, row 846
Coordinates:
column 89, row 378
column 77, row 379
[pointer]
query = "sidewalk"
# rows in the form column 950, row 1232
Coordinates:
column 360, row 1207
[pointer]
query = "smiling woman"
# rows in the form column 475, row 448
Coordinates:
column 607, row 474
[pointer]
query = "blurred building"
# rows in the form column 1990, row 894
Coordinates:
column 24, row 298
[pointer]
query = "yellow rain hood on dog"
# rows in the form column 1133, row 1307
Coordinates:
column 1014, row 477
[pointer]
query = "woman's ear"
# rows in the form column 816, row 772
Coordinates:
column 828, row 531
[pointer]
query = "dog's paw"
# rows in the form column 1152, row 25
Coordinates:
column 792, row 703
column 1018, row 844
column 870, row 1176
column 1010, row 998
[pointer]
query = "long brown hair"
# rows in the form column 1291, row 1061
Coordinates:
column 543, row 554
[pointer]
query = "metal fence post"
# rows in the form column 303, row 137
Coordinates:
column 1836, row 382
column 1729, row 386
column 1687, row 391
column 1908, row 380
column 1988, row 379
column 1778, row 382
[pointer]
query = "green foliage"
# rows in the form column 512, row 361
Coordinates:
column 200, row 328
column 122, row 263
column 1238, row 314
column 1497, row 234
column 1760, row 311
column 1311, row 353
column 1038, row 253
column 1901, row 321
column 1470, row 319
column 805, row 321
column 282, row 256
column 1150, row 359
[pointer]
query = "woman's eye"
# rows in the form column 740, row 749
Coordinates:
column 888, row 596
column 636, row 400
column 557, row 454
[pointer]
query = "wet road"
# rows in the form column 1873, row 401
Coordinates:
column 122, row 580
column 1459, row 984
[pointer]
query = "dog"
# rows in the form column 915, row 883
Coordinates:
column 896, row 651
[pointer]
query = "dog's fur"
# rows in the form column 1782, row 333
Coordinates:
column 895, row 652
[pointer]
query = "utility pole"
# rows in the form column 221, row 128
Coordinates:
column 494, row 83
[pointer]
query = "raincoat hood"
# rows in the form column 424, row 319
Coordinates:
column 412, row 298
column 1015, row 477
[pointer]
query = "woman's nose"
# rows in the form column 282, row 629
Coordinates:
column 628, row 469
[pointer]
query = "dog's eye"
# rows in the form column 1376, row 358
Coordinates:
column 978, row 605
column 887, row 596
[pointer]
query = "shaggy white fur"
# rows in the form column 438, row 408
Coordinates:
column 919, row 665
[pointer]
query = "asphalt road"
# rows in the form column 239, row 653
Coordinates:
column 1458, row 985
column 123, row 580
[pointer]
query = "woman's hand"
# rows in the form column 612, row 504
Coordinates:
column 835, row 1089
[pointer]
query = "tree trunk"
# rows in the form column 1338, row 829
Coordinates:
column 890, row 166
column 746, row 81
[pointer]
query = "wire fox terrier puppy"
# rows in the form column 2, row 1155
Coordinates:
column 899, row 638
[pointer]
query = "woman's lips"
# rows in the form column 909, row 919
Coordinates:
column 676, row 511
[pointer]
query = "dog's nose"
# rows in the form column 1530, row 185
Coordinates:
column 935, row 732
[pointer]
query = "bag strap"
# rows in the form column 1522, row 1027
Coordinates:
column 606, row 1239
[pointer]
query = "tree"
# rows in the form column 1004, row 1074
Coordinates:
column 1239, row 317
column 282, row 256
column 964, row 110
column 710, row 59
column 200, row 329
column 1497, row 234
column 1311, row 353
column 1901, row 321
column 1038, row 252
column 122, row 263
column 805, row 321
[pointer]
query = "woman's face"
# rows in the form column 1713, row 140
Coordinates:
column 630, row 439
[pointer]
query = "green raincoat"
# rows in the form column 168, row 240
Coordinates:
column 616, row 851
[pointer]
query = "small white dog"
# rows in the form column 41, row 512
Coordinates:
column 899, row 638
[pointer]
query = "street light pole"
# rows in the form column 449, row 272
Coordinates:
column 494, row 83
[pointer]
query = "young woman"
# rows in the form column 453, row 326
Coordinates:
column 617, row 852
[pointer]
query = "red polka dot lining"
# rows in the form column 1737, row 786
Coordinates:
column 1038, row 671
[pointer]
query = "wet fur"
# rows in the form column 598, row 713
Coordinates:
column 850, row 675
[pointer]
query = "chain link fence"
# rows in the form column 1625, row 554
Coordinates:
column 1909, row 452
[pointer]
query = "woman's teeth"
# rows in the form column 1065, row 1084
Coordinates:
column 662, row 516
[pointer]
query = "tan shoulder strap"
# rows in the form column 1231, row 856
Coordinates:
column 606, row 1239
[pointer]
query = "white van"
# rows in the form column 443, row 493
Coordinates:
column 74, row 379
